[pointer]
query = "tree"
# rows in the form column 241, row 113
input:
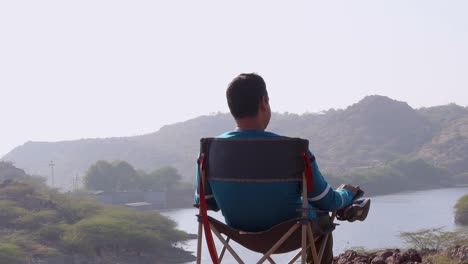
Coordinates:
column 162, row 179
column 168, row 176
column 461, row 211
column 9, row 171
column 106, row 176
column 121, row 176
column 435, row 238
column 124, row 175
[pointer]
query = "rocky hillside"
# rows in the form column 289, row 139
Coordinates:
column 449, row 147
column 368, row 134
column 456, row 255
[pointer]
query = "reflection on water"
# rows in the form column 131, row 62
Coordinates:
column 389, row 215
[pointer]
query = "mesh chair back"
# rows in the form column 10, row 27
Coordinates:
column 254, row 160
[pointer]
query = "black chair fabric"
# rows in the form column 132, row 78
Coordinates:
column 260, row 160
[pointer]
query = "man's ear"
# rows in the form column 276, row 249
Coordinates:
column 263, row 103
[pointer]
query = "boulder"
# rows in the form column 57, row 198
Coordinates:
column 386, row 256
column 459, row 253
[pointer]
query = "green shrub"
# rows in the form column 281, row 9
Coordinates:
column 439, row 259
column 27, row 242
column 16, row 191
column 12, row 254
column 461, row 210
column 107, row 233
column 73, row 209
column 435, row 238
column 150, row 222
column 9, row 212
column 82, row 225
column 32, row 220
column 83, row 208
column 74, row 243
column 51, row 232
column 124, row 230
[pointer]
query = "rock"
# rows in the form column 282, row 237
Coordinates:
column 351, row 256
column 459, row 252
column 414, row 256
column 387, row 256
column 378, row 260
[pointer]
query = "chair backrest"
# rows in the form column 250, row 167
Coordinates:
column 254, row 160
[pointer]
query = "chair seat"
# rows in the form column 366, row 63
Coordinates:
column 263, row 241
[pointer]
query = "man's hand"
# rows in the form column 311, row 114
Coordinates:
column 351, row 188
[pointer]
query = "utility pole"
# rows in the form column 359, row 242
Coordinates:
column 52, row 164
column 75, row 183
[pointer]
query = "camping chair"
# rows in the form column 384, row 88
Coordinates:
column 259, row 160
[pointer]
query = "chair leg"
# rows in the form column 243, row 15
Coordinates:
column 271, row 260
column 312, row 248
column 295, row 258
column 325, row 240
column 311, row 245
column 298, row 255
column 304, row 244
column 279, row 243
column 322, row 246
column 223, row 250
column 228, row 247
column 199, row 243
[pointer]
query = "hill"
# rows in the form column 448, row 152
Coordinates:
column 449, row 147
column 368, row 134
column 39, row 223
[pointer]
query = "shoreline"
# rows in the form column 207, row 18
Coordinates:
column 168, row 209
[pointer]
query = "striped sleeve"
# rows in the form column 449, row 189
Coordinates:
column 323, row 196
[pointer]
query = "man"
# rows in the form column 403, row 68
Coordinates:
column 248, row 102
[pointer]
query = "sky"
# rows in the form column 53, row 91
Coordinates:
column 97, row 68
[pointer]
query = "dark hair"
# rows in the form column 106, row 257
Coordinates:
column 244, row 94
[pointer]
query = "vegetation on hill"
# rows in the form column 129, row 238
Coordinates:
column 8, row 172
column 121, row 176
column 39, row 222
column 435, row 238
column 369, row 134
column 396, row 176
column 461, row 179
column 449, row 148
column 461, row 211
column 441, row 116
column 438, row 246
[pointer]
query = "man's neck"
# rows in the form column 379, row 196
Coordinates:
column 248, row 124
column 249, row 128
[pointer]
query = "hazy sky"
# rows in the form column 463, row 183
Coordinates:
column 92, row 68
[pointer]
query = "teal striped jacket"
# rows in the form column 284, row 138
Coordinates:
column 264, row 212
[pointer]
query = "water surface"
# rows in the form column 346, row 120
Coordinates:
column 389, row 215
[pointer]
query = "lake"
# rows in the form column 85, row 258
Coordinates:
column 389, row 215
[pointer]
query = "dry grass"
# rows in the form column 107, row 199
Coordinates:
column 440, row 259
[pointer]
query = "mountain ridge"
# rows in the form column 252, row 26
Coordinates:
column 369, row 133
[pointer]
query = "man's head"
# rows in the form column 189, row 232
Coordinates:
column 248, row 101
